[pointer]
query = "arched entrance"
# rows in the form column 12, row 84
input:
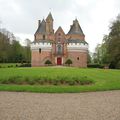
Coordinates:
column 59, row 61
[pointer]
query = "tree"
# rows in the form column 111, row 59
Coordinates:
column 27, row 50
column 101, row 55
column 48, row 62
column 11, row 50
column 89, row 59
column 96, row 55
column 109, row 51
column 114, row 43
column 68, row 62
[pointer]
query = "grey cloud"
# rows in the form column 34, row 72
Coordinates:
column 20, row 16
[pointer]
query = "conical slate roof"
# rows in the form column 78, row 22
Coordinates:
column 49, row 17
column 42, row 27
column 75, row 28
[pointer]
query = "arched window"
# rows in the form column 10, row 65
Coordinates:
column 59, row 49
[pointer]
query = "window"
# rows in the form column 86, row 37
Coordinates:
column 39, row 50
column 58, row 39
column 78, row 58
column 59, row 49
column 59, row 34
column 43, row 37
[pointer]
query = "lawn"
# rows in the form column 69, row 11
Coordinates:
column 104, row 79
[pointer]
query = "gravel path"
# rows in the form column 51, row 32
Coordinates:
column 78, row 106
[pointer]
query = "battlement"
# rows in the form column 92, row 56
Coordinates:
column 41, row 45
column 77, row 46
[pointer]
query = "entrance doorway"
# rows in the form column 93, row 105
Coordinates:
column 59, row 61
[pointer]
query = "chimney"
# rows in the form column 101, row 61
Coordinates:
column 39, row 21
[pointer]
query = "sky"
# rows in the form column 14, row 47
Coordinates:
column 95, row 16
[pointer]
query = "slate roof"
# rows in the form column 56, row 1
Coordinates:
column 49, row 16
column 42, row 27
column 43, row 41
column 75, row 28
column 59, row 29
column 76, row 41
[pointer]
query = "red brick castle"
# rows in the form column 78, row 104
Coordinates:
column 58, row 47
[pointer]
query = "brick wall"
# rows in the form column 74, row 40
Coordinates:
column 79, row 59
column 38, row 59
column 75, row 36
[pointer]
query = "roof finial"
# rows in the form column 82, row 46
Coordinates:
column 76, row 18
column 50, row 9
column 49, row 17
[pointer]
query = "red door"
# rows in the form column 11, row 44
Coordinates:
column 59, row 61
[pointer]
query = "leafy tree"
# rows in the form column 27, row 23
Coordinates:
column 48, row 62
column 89, row 59
column 97, row 54
column 109, row 51
column 68, row 62
column 114, row 43
column 27, row 50
column 11, row 50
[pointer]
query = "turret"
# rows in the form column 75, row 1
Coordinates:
column 41, row 31
column 75, row 31
column 49, row 24
column 75, row 28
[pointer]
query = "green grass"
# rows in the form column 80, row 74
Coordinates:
column 104, row 79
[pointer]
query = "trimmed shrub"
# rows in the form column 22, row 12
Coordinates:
column 43, row 80
column 25, row 65
column 71, row 82
column 55, row 82
column 68, row 62
column 95, row 66
column 48, row 62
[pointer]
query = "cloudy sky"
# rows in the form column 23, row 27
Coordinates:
column 94, row 16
